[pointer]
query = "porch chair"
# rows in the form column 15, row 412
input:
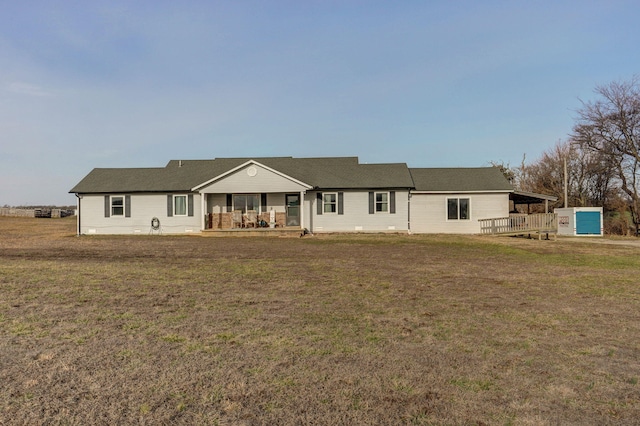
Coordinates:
column 237, row 219
column 251, row 219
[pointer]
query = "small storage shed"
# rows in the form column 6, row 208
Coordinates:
column 580, row 221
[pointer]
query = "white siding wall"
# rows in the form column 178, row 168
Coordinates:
column 429, row 212
column 144, row 207
column 308, row 210
column 356, row 217
column 276, row 202
column 216, row 203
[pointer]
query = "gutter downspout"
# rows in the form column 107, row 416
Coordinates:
column 79, row 197
column 203, row 210
column 301, row 211
column 409, row 212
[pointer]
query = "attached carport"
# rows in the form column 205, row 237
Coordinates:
column 520, row 198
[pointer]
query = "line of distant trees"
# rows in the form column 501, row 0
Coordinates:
column 602, row 155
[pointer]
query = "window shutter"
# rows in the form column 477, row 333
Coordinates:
column 127, row 206
column 229, row 203
column 263, row 202
column 372, row 203
column 340, row 202
column 169, row 205
column 107, row 206
column 392, row 202
column 319, row 203
column 190, row 204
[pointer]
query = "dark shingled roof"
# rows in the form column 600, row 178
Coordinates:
column 183, row 175
column 460, row 179
column 323, row 173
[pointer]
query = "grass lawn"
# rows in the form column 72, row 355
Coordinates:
column 342, row 329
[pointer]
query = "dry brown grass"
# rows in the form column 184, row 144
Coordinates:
column 319, row 330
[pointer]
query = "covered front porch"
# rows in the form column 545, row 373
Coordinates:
column 253, row 212
column 253, row 197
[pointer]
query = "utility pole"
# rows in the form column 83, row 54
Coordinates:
column 566, row 183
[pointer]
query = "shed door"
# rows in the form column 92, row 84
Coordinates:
column 588, row 223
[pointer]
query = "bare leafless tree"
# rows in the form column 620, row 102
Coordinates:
column 609, row 127
column 589, row 176
column 508, row 171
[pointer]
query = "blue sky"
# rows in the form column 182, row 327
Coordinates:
column 87, row 84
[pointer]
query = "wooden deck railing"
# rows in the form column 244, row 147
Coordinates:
column 520, row 224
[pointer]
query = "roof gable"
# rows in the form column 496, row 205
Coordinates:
column 252, row 176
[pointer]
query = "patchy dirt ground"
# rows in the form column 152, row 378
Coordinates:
column 631, row 241
column 320, row 330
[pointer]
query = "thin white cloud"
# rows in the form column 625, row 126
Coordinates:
column 134, row 84
column 27, row 89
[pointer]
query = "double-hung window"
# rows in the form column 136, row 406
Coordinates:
column 382, row 202
column 179, row 205
column 458, row 209
column 330, row 202
column 117, row 206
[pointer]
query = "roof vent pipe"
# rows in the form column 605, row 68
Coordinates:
column 179, row 163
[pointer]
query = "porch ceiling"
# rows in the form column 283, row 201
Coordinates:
column 522, row 197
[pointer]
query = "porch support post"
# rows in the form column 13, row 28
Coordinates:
column 203, row 209
column 302, row 209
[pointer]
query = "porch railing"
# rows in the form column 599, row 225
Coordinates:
column 225, row 220
column 520, row 224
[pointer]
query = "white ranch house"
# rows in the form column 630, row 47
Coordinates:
column 336, row 194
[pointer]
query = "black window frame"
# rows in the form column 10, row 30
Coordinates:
column 459, row 208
